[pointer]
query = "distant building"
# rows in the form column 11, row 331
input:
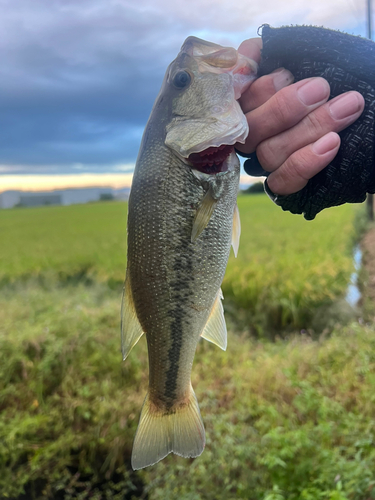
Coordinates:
column 84, row 195
column 10, row 199
column 38, row 199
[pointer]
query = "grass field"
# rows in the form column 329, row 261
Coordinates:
column 71, row 241
column 286, row 420
column 286, row 266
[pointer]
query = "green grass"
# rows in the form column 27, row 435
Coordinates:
column 286, row 266
column 288, row 420
column 73, row 241
column 285, row 269
column 65, row 397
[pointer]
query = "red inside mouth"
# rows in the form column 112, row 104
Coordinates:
column 211, row 160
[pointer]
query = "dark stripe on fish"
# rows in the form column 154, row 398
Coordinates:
column 180, row 289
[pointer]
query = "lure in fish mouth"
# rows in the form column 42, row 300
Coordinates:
column 180, row 231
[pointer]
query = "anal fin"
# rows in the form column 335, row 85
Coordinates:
column 160, row 432
column 131, row 330
column 236, row 230
column 215, row 330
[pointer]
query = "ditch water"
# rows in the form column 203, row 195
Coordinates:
column 353, row 294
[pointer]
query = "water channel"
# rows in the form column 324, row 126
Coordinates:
column 353, row 294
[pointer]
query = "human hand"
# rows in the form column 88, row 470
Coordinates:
column 293, row 129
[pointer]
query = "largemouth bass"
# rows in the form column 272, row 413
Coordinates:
column 182, row 220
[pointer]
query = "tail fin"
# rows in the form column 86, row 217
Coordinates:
column 160, row 433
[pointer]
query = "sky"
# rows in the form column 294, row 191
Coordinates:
column 78, row 78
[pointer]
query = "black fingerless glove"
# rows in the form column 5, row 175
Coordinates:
column 348, row 63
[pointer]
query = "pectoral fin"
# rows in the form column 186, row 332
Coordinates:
column 215, row 330
column 131, row 330
column 236, row 230
column 203, row 215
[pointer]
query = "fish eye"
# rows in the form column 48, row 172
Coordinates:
column 181, row 79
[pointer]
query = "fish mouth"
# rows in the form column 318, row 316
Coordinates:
column 211, row 160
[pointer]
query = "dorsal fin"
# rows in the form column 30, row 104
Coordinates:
column 131, row 330
column 215, row 329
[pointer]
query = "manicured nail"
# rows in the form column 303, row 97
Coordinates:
column 282, row 78
column 314, row 91
column 326, row 143
column 345, row 106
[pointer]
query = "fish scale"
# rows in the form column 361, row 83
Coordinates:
column 180, row 229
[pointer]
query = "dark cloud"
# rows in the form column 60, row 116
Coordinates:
column 78, row 78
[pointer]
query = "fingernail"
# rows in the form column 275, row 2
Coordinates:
column 345, row 106
column 327, row 143
column 282, row 78
column 314, row 91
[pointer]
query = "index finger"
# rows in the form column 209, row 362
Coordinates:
column 284, row 110
column 251, row 48
column 266, row 86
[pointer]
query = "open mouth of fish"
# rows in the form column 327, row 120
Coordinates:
column 211, row 160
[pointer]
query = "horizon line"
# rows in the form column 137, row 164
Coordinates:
column 53, row 182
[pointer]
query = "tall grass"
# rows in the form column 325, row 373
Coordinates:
column 288, row 420
column 67, row 403
column 286, row 266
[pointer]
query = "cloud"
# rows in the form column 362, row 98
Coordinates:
column 78, row 79
column 57, row 169
column 128, row 167
column 76, row 82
